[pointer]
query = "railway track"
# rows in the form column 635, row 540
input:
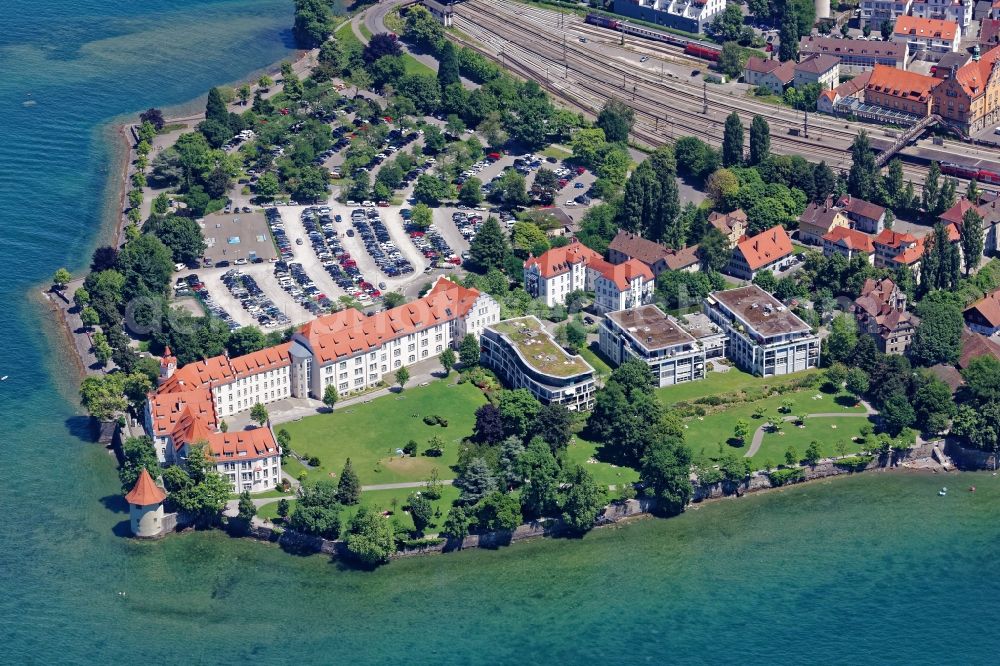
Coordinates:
column 665, row 108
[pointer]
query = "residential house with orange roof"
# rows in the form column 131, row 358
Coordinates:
column 927, row 34
column 909, row 92
column 983, row 316
column 732, row 225
column 969, row 97
column 881, row 312
column 891, row 244
column 249, row 459
column 559, row 271
column 852, row 89
column 848, row 242
column 864, row 215
column 820, row 68
column 818, row 220
column 769, row 250
column 620, row 286
column 990, row 214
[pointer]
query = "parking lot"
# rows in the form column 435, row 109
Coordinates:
column 237, row 238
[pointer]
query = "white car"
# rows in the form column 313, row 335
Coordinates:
column 368, row 204
column 570, row 202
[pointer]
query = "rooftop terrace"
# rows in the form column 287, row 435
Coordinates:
column 538, row 348
column 760, row 310
column 650, row 327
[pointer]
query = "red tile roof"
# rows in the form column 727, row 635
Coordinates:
column 622, row 275
column 911, row 255
column 348, row 332
column 988, row 307
column 894, row 239
column 852, row 239
column 974, row 74
column 269, row 358
column 145, row 492
column 766, row 247
column 171, row 411
column 900, row 83
column 242, row 444
column 818, row 63
column 558, row 260
column 956, row 212
column 914, row 26
column 860, row 207
column 975, row 345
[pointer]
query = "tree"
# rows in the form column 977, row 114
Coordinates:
column 102, row 396
column 381, row 45
column 244, row 93
column 258, row 413
column 665, row 471
column 205, row 498
column 402, row 376
column 932, row 189
column 732, row 141
column 972, row 238
column 421, row 510
column 835, row 377
column 982, row 379
column 714, row 250
column 447, row 359
column 181, row 235
column 370, row 539
column 61, row 278
column 788, row 47
column 538, row 469
column 456, row 525
column 824, row 180
column 154, row 117
column 857, row 381
column 791, row 456
column 137, row 454
column 812, row 453
column 518, row 409
column 732, row 59
column 489, row 425
column 471, row 193
column 616, row 119
column 283, row 508
column 728, row 24
column 886, row 29
column 498, row 512
column 938, row 338
column 476, row 481
column 348, row 487
column 146, row 265
column 430, row 190
column 101, row 348
column 215, row 108
column 468, row 351
column 760, row 140
column 245, row 340
column 447, row 73
column 489, row 248
column 330, row 395
column 897, row 413
column 933, row 405
column 246, row 509
column 741, row 431
column 863, row 175
column 552, row 424
column 89, row 317
column 843, row 337
column 583, row 501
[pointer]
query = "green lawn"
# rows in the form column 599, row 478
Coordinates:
column 369, row 434
column 383, row 499
column 364, row 30
column 581, row 451
column 827, row 432
column 724, row 383
column 593, row 356
column 414, row 66
column 705, row 434
column 345, row 36
column 558, row 153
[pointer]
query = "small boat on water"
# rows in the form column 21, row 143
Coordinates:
column 3, row 379
column 943, row 492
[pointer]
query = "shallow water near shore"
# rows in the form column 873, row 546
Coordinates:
column 873, row 568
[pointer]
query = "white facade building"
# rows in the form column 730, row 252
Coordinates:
column 561, row 270
column 623, row 286
column 645, row 333
column 764, row 338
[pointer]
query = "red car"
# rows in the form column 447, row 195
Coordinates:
column 580, row 170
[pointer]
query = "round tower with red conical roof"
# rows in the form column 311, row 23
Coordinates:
column 145, row 507
column 168, row 364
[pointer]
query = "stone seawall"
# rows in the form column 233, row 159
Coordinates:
column 970, row 459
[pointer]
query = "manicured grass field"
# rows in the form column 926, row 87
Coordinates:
column 414, row 66
column 383, row 500
column 556, row 152
column 704, row 435
column 723, row 383
column 821, row 430
column 369, row 434
column 581, row 450
column 346, row 36
column 593, row 356
column 364, row 30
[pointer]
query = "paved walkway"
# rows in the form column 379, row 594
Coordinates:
column 758, row 436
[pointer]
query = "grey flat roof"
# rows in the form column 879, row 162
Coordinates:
column 699, row 325
column 760, row 310
column 652, row 329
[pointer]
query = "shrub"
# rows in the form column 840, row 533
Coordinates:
column 711, row 400
column 410, row 448
column 781, row 477
column 854, row 463
column 314, row 461
column 430, row 420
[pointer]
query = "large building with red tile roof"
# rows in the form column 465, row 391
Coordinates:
column 769, row 250
column 559, row 271
column 909, row 92
column 249, row 459
column 889, row 245
column 627, row 245
column 927, row 34
column 848, row 242
column 345, row 349
column 968, row 96
column 625, row 285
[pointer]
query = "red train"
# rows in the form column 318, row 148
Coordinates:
column 971, row 173
column 693, row 47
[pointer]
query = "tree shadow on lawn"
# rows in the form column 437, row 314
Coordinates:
column 846, row 401
column 735, row 443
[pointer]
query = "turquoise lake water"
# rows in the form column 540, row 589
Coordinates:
column 875, row 569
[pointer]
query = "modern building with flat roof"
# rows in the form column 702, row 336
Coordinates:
column 763, row 336
column 646, row 333
column 524, row 355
